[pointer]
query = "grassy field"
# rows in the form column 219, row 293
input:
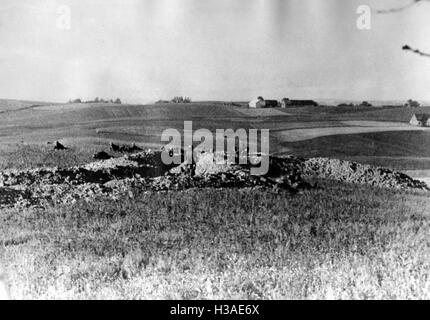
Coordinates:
column 36, row 156
column 398, row 150
column 10, row 105
column 95, row 125
column 337, row 241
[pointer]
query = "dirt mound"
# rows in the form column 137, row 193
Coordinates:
column 12, row 196
column 133, row 173
column 102, row 155
column 125, row 148
column 144, row 164
column 353, row 172
column 145, row 171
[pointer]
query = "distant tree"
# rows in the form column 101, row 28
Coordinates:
column 412, row 104
column 365, row 104
column 77, row 101
column 96, row 100
column 118, row 101
column 179, row 99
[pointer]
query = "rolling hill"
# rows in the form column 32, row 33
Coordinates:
column 91, row 127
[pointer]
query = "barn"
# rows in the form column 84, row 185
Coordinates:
column 420, row 120
column 271, row 103
column 287, row 103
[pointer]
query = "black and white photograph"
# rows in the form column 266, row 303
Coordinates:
column 214, row 150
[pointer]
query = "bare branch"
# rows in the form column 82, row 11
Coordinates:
column 408, row 48
column 398, row 9
column 409, row 5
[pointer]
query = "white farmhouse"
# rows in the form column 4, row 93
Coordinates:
column 420, row 120
column 257, row 103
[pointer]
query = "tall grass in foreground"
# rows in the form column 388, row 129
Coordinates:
column 348, row 242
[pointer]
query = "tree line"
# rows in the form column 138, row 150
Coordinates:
column 96, row 100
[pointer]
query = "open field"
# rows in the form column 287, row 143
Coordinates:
column 97, row 124
column 9, row 105
column 379, row 136
column 259, row 113
column 395, row 149
column 293, row 135
column 337, row 240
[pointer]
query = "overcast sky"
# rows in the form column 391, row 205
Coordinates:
column 143, row 50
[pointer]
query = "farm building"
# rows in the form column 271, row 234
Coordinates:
column 261, row 103
column 287, row 103
column 420, row 120
column 257, row 103
column 271, row 103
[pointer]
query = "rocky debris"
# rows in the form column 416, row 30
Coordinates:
column 147, row 164
column 214, row 163
column 137, row 172
column 10, row 196
column 352, row 172
column 174, row 151
column 102, row 155
column 114, row 147
column 59, row 146
column 125, row 148
column 144, row 171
